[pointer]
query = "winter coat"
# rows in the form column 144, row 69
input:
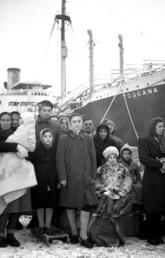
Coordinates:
column 44, row 194
column 153, row 190
column 114, row 181
column 134, row 171
column 76, row 163
column 101, row 145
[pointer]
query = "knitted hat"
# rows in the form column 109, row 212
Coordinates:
column 110, row 150
column 126, row 146
column 28, row 118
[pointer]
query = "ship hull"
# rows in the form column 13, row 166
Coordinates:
column 130, row 111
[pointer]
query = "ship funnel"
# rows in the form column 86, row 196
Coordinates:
column 13, row 75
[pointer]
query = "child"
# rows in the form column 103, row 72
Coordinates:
column 134, row 169
column 113, row 184
column 76, row 167
column 44, row 194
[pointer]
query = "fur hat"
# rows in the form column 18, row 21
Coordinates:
column 28, row 118
column 110, row 150
column 126, row 146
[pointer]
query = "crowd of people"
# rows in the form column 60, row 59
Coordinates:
column 65, row 173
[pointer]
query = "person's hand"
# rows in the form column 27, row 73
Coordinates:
column 63, row 183
column 22, row 152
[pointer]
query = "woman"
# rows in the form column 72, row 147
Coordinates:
column 102, row 141
column 64, row 123
column 151, row 155
column 5, row 131
column 76, row 168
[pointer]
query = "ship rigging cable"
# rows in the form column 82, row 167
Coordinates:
column 108, row 109
column 136, row 133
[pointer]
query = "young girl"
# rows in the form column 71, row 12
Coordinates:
column 113, row 184
column 44, row 194
column 76, row 167
column 134, row 170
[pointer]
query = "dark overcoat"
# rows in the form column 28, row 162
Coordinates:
column 76, row 163
column 44, row 195
column 153, row 189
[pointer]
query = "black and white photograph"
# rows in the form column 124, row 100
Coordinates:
column 82, row 129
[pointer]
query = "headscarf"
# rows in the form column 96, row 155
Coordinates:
column 100, row 144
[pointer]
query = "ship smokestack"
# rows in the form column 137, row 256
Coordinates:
column 13, row 75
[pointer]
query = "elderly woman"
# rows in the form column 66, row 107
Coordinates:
column 152, row 156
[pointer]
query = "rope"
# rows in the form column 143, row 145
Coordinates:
column 137, row 136
column 108, row 108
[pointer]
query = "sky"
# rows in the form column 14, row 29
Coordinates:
column 25, row 27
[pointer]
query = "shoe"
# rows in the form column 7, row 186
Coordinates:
column 41, row 230
column 121, row 243
column 73, row 239
column 49, row 231
column 86, row 242
column 3, row 242
column 12, row 241
column 155, row 241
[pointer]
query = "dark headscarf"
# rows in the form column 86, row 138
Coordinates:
column 100, row 144
column 152, row 132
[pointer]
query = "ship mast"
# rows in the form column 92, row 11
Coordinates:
column 91, row 73
column 121, row 56
column 64, row 51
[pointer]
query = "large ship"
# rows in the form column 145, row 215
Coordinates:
column 129, row 102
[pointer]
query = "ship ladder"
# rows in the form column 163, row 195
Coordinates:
column 133, row 125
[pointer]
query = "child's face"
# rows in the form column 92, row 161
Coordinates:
column 45, row 112
column 103, row 133
column 112, row 159
column 126, row 155
column 76, row 123
column 47, row 138
column 64, row 124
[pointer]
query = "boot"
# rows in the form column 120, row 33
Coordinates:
column 12, row 241
column 3, row 242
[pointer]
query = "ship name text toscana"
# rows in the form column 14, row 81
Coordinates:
column 142, row 92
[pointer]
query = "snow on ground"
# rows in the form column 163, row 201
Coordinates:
column 32, row 248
